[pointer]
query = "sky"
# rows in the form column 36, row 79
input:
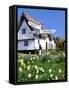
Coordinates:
column 52, row 19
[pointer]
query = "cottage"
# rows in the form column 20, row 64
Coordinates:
column 32, row 35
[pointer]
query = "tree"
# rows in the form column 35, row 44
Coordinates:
column 59, row 43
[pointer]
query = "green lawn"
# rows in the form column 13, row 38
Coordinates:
column 49, row 66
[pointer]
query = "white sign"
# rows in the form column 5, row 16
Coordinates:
column 34, row 25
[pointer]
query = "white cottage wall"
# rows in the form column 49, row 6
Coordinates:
column 28, row 34
column 36, row 44
column 31, row 45
column 43, row 43
column 48, row 43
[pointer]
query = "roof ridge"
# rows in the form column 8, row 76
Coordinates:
column 31, row 18
column 28, row 18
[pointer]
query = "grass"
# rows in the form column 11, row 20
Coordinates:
column 50, row 66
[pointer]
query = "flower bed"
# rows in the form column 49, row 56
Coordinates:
column 50, row 66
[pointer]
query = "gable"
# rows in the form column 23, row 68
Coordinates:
column 24, row 26
column 28, row 33
column 34, row 24
column 22, row 18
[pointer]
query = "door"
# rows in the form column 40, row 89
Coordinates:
column 46, row 45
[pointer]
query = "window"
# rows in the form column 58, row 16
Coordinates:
column 25, row 43
column 23, row 31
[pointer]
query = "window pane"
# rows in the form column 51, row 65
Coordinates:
column 26, row 43
column 23, row 31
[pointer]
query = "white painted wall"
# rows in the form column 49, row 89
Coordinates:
column 28, row 34
column 48, row 43
column 31, row 45
column 36, row 44
column 43, row 44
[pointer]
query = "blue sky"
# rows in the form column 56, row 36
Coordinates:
column 52, row 19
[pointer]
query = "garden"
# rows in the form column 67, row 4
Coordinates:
column 49, row 66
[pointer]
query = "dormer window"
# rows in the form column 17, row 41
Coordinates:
column 24, row 31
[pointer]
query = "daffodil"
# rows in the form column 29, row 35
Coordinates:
column 24, row 66
column 36, row 67
column 29, row 75
column 28, row 67
column 56, row 77
column 50, row 70
column 63, row 54
column 28, row 62
column 48, row 61
column 36, row 76
column 31, row 58
column 32, row 61
column 60, row 70
column 42, row 69
column 21, row 61
column 37, row 71
column 20, row 69
column 51, row 75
